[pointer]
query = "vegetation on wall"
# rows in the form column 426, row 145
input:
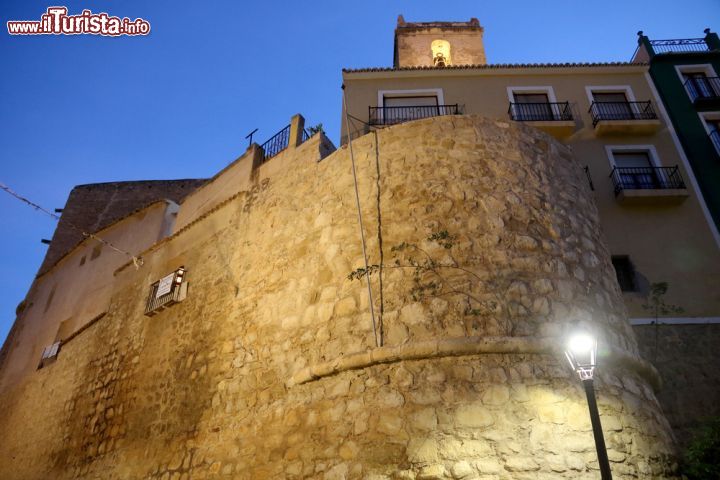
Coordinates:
column 702, row 457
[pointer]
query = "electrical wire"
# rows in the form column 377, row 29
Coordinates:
column 137, row 261
column 360, row 221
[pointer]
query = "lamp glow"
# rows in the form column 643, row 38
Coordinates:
column 581, row 352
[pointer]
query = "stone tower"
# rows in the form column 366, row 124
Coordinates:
column 438, row 44
column 269, row 369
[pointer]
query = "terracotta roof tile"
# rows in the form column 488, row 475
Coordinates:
column 496, row 66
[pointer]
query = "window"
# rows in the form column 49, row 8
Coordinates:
column 700, row 81
column 613, row 105
column 397, row 106
column 403, row 109
column 697, row 85
column 635, row 169
column 170, row 289
column 49, row 354
column 536, row 104
column 625, row 273
column 532, row 106
column 711, row 120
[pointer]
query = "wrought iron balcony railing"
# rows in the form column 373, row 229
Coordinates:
column 646, row 178
column 534, row 112
column 681, row 45
column 715, row 139
column 600, row 111
column 395, row 115
column 703, row 88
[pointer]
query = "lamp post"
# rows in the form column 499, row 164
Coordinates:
column 581, row 352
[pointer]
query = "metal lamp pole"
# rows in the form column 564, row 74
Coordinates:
column 581, row 353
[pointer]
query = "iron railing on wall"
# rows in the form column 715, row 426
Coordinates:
column 276, row 144
column 395, row 115
column 280, row 142
column 541, row 111
column 681, row 45
column 600, row 111
column 646, row 178
column 703, row 88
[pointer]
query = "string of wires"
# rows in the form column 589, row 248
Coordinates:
column 137, row 261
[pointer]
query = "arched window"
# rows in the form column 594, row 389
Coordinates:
column 441, row 53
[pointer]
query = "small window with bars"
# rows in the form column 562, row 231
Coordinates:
column 170, row 289
column 625, row 273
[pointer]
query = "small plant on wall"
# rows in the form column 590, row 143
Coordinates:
column 315, row 129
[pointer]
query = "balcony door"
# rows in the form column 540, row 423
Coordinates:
column 403, row 108
column 698, row 85
column 612, row 106
column 532, row 107
column 635, row 170
column 713, row 127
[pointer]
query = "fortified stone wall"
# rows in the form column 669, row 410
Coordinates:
column 688, row 360
column 269, row 368
column 99, row 205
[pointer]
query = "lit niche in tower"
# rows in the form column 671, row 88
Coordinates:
column 441, row 53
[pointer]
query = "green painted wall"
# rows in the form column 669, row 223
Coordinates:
column 698, row 147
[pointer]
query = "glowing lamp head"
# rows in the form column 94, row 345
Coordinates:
column 581, row 352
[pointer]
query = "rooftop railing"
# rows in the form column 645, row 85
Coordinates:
column 682, row 45
column 644, row 178
column 276, row 144
column 542, row 111
column 395, row 115
column 703, row 88
column 602, row 111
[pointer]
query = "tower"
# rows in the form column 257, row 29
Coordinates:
column 438, row 44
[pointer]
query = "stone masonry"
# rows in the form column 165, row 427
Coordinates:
column 95, row 206
column 269, row 368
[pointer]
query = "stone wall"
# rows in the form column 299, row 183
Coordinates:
column 269, row 368
column 688, row 360
column 96, row 206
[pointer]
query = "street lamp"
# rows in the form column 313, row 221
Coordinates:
column 581, row 352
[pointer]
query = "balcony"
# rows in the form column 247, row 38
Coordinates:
column 648, row 185
column 703, row 90
column 715, row 139
column 553, row 118
column 632, row 118
column 395, row 115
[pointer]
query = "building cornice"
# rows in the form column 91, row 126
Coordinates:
column 499, row 68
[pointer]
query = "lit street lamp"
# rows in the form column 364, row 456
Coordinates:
column 581, row 352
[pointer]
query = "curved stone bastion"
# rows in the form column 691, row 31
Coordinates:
column 491, row 252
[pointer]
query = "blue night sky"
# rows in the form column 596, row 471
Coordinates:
column 178, row 103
